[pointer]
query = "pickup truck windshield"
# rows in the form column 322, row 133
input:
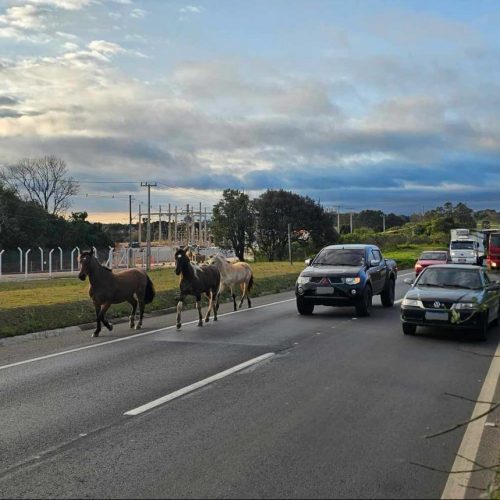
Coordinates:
column 340, row 257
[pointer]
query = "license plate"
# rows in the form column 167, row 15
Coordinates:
column 436, row 315
column 462, row 260
column 324, row 290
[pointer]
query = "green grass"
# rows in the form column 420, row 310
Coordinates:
column 31, row 306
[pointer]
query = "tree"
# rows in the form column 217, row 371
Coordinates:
column 276, row 209
column 41, row 180
column 233, row 222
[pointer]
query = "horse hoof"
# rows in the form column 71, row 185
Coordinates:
column 215, row 319
column 200, row 323
column 110, row 327
column 95, row 334
column 138, row 327
column 178, row 325
column 207, row 320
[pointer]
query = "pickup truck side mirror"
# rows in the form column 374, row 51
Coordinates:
column 409, row 281
column 374, row 263
column 307, row 262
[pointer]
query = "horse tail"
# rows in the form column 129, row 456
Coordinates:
column 250, row 283
column 149, row 294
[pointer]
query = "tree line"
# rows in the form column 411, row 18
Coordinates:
column 35, row 194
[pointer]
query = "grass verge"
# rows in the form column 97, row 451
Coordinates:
column 31, row 306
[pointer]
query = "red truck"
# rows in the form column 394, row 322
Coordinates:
column 493, row 252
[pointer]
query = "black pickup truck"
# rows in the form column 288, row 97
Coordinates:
column 346, row 275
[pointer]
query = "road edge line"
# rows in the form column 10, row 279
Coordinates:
column 457, row 484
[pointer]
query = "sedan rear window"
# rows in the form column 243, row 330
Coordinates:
column 340, row 257
column 450, row 278
column 434, row 256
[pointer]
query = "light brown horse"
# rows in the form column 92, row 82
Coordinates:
column 196, row 280
column 106, row 288
column 232, row 275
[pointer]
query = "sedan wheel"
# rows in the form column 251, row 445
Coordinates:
column 409, row 329
column 483, row 327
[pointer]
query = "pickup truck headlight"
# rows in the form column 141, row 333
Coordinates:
column 352, row 281
column 303, row 279
column 412, row 303
column 464, row 305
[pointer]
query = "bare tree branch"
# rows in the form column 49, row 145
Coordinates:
column 468, row 399
column 440, row 433
column 43, row 180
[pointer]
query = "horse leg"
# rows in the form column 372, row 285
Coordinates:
column 215, row 306
column 142, row 306
column 98, row 319
column 198, row 307
column 243, row 290
column 210, row 297
column 233, row 295
column 179, row 310
column 104, row 309
column 131, row 318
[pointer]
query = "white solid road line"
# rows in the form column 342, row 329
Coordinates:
column 132, row 337
column 197, row 385
column 456, row 486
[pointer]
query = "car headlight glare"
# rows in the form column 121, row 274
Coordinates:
column 412, row 303
column 464, row 305
column 303, row 279
column 352, row 281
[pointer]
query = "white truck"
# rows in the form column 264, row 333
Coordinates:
column 467, row 246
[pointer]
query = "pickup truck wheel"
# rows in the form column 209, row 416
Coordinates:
column 363, row 307
column 388, row 293
column 304, row 308
column 409, row 329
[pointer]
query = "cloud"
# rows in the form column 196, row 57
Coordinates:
column 65, row 4
column 190, row 9
column 138, row 13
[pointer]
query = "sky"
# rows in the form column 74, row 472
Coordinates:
column 358, row 104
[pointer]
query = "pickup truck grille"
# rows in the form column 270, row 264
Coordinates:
column 332, row 280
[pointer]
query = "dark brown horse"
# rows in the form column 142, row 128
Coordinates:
column 106, row 288
column 196, row 280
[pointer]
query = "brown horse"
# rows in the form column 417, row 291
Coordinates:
column 106, row 288
column 196, row 280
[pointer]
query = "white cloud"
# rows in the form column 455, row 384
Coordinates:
column 23, row 17
column 190, row 9
column 138, row 13
column 65, row 4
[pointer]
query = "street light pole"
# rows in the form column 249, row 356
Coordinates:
column 149, row 185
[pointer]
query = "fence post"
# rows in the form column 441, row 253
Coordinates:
column 20, row 260
column 73, row 258
column 41, row 258
column 50, row 262
column 109, row 262
column 61, row 257
column 1, row 252
column 26, row 263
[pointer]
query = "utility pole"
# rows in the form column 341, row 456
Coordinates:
column 149, row 185
column 130, row 221
column 338, row 219
column 140, row 226
column 383, row 222
column 351, row 221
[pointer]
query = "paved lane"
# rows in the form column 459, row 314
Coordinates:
column 339, row 411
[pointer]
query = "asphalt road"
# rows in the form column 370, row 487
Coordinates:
column 340, row 410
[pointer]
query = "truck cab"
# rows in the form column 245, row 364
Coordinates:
column 493, row 253
column 466, row 247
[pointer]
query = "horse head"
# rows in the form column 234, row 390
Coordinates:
column 85, row 264
column 181, row 261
